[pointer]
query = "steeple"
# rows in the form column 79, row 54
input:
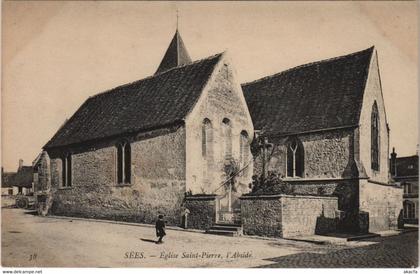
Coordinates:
column 176, row 54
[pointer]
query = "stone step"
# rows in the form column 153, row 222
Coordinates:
column 228, row 224
column 223, row 232
column 228, row 228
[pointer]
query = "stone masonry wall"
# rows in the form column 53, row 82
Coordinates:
column 43, row 181
column 328, row 154
column 373, row 93
column 347, row 192
column 202, row 211
column 288, row 215
column 261, row 215
column 157, row 182
column 308, row 215
column 383, row 203
column 222, row 98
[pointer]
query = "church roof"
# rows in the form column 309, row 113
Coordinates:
column 176, row 55
column 155, row 102
column 319, row 95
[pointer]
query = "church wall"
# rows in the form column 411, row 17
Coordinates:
column 222, row 98
column 373, row 93
column 157, row 182
column 383, row 203
column 327, row 154
column 329, row 169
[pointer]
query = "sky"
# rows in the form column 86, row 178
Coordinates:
column 57, row 54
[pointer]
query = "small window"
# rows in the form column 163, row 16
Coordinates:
column 207, row 139
column 207, row 149
column 295, row 158
column 66, row 171
column 409, row 210
column 124, row 163
column 408, row 188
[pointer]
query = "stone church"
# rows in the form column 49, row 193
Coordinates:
column 162, row 144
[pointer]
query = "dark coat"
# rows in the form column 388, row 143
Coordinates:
column 160, row 228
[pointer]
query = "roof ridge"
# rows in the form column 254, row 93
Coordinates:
column 189, row 64
column 307, row 65
column 155, row 75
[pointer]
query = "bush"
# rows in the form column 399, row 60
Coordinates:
column 272, row 184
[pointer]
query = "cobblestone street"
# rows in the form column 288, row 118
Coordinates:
column 395, row 251
column 30, row 240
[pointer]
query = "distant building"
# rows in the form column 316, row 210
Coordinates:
column 19, row 182
column 6, row 182
column 405, row 170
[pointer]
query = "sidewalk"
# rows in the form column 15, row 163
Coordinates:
column 333, row 238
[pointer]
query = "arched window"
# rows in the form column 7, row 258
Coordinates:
column 375, row 137
column 207, row 139
column 123, row 163
column 243, row 149
column 227, row 138
column 207, row 148
column 295, row 158
column 66, row 170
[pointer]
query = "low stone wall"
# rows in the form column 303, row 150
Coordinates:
column 308, row 215
column 382, row 203
column 347, row 192
column 202, row 210
column 261, row 215
column 288, row 215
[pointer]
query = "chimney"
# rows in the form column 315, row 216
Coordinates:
column 20, row 163
column 393, row 163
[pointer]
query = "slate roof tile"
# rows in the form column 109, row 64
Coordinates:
column 320, row 95
column 154, row 102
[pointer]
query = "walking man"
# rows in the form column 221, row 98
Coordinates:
column 160, row 229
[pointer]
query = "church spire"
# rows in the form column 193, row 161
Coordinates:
column 176, row 54
column 177, row 19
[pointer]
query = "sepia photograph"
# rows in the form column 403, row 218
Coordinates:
column 141, row 134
